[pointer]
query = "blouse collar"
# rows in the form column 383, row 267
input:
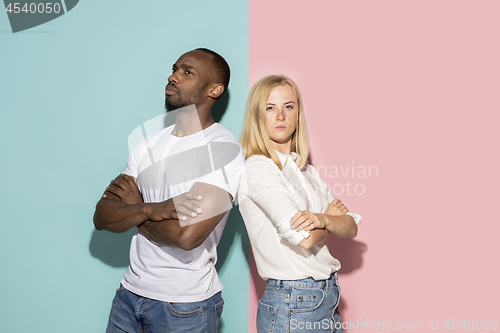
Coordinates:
column 284, row 158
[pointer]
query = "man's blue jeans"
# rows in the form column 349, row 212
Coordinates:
column 133, row 313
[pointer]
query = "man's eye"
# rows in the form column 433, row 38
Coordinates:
column 189, row 72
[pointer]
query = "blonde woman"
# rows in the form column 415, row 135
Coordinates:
column 289, row 212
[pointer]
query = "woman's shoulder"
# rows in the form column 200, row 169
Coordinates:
column 260, row 160
column 257, row 163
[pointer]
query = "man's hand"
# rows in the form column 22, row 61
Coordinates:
column 178, row 208
column 307, row 221
column 190, row 232
column 336, row 207
column 125, row 189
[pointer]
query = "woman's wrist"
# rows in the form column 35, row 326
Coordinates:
column 325, row 221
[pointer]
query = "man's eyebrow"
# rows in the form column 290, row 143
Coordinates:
column 188, row 67
column 183, row 66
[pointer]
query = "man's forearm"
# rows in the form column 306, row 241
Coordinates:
column 192, row 231
column 186, row 237
column 117, row 216
column 160, row 232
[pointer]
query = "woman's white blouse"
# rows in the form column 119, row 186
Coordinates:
column 268, row 198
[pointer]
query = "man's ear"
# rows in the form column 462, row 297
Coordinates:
column 216, row 91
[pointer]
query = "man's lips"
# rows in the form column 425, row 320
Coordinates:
column 169, row 90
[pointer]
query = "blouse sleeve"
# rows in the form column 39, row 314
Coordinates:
column 263, row 183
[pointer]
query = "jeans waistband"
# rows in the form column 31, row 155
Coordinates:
column 307, row 282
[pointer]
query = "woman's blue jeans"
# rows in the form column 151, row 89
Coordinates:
column 133, row 313
column 300, row 306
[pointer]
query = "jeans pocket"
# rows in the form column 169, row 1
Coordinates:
column 185, row 309
column 303, row 300
column 266, row 317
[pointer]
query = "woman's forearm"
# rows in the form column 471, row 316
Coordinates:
column 342, row 226
column 316, row 236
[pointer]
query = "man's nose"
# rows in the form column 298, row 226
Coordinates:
column 173, row 78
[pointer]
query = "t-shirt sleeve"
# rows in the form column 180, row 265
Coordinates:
column 263, row 183
column 226, row 160
column 132, row 168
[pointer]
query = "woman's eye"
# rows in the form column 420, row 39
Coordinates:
column 290, row 107
column 269, row 108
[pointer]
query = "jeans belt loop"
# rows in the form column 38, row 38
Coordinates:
column 278, row 284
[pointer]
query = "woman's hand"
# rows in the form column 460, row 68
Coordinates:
column 307, row 221
column 336, row 207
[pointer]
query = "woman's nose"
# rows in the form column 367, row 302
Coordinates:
column 280, row 115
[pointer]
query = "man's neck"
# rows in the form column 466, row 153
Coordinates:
column 190, row 121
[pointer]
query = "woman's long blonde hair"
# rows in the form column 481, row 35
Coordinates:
column 254, row 137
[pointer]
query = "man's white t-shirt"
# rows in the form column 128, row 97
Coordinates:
column 166, row 166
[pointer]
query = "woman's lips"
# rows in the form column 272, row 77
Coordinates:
column 281, row 127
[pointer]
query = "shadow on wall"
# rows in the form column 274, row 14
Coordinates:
column 112, row 249
column 350, row 254
column 220, row 107
column 234, row 226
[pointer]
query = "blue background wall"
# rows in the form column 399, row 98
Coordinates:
column 71, row 91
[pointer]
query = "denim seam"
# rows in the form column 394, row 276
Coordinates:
column 217, row 318
column 271, row 309
column 276, row 294
column 184, row 314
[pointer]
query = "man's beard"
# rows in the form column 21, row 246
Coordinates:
column 172, row 105
column 174, row 102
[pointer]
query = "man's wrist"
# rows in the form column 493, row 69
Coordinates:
column 146, row 210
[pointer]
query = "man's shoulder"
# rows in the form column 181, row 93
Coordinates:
column 220, row 133
column 153, row 137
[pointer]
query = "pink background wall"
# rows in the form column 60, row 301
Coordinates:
column 412, row 89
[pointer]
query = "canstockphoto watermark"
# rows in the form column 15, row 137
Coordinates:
column 354, row 324
column 364, row 324
column 24, row 15
column 347, row 179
